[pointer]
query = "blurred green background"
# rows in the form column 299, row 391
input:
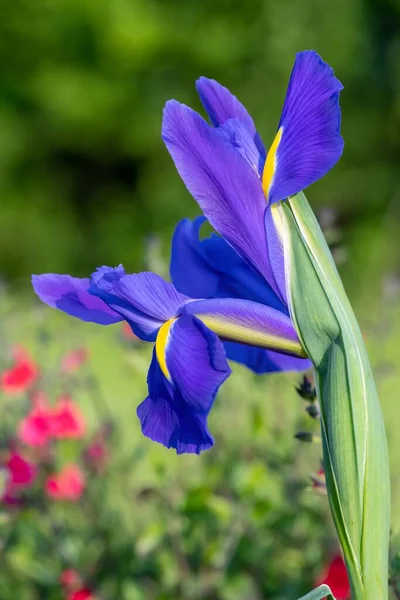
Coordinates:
column 84, row 176
column 85, row 180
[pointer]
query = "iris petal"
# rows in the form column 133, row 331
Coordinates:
column 227, row 189
column 248, row 322
column 70, row 294
column 145, row 300
column 264, row 361
column 220, row 104
column 210, row 268
column 176, row 410
column 310, row 143
column 275, row 249
column 189, row 270
column 236, row 133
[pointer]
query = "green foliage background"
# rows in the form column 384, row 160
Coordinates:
column 84, row 176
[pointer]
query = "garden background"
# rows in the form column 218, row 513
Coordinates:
column 85, row 180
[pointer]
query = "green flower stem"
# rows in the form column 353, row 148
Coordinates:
column 353, row 435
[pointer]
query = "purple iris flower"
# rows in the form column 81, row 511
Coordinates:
column 189, row 362
column 236, row 184
column 247, row 307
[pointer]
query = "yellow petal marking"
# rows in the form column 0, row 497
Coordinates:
column 270, row 163
column 161, row 346
column 228, row 330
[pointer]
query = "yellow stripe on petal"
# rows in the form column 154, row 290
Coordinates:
column 161, row 346
column 270, row 163
column 228, row 330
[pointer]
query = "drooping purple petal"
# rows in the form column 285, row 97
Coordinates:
column 176, row 410
column 227, row 189
column 145, row 300
column 310, row 142
column 248, row 322
column 264, row 361
column 71, row 295
column 105, row 277
column 210, row 268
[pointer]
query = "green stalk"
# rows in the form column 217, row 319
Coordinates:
column 353, row 435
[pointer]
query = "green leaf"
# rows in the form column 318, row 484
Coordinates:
column 323, row 591
column 353, row 435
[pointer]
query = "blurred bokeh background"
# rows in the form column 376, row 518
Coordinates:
column 85, row 180
column 84, row 176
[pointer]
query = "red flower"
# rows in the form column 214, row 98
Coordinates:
column 335, row 576
column 82, row 594
column 96, row 454
column 67, row 420
column 22, row 473
column 36, row 428
column 70, row 578
column 19, row 474
column 68, row 484
column 319, row 482
column 21, row 375
column 74, row 359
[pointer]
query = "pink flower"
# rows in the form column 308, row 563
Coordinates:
column 21, row 375
column 67, row 420
column 96, row 453
column 45, row 422
column 82, row 594
column 335, row 576
column 74, row 359
column 36, row 428
column 68, row 484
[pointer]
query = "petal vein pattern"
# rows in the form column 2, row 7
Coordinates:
column 310, row 144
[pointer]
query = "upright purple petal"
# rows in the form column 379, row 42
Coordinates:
column 176, row 410
column 145, row 300
column 237, row 134
column 227, row 189
column 220, row 104
column 71, row 295
column 308, row 143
